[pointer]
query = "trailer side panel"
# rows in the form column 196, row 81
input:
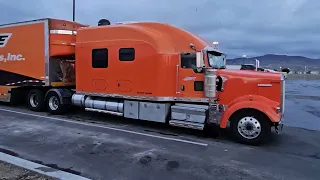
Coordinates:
column 23, row 55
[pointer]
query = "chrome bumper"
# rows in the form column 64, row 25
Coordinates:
column 282, row 94
column 279, row 126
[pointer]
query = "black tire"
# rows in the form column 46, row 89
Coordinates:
column 54, row 104
column 35, row 100
column 250, row 119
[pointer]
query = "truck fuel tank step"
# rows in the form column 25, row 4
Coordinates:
column 188, row 112
column 104, row 111
column 186, row 124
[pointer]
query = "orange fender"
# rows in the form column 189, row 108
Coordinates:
column 266, row 106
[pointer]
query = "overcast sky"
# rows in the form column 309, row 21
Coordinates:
column 251, row 27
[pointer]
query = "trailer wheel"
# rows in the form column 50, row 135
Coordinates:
column 250, row 127
column 36, row 100
column 54, row 104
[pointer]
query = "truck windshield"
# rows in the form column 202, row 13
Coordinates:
column 216, row 60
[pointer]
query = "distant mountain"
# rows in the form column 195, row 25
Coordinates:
column 273, row 61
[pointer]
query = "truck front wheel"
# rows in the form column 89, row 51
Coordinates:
column 250, row 127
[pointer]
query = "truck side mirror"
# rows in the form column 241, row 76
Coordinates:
column 200, row 61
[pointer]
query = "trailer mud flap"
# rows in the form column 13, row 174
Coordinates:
column 4, row 94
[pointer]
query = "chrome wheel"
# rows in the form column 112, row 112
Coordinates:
column 53, row 103
column 249, row 127
column 33, row 100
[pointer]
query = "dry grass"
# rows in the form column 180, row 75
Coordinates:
column 12, row 172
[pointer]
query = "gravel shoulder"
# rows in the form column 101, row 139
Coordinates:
column 12, row 172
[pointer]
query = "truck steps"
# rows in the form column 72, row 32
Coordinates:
column 186, row 124
column 104, row 111
column 191, row 116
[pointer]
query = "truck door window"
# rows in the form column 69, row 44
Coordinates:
column 188, row 61
column 126, row 54
column 100, row 58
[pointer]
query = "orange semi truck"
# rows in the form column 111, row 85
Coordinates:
column 145, row 71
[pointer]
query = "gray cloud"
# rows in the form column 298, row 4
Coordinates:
column 242, row 27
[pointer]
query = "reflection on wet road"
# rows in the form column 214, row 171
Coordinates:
column 303, row 104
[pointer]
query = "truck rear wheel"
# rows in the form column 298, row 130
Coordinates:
column 54, row 104
column 250, row 127
column 36, row 100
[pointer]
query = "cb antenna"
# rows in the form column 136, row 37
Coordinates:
column 73, row 10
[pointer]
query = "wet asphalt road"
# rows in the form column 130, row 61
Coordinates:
column 140, row 150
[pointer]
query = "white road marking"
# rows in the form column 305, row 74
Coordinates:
column 45, row 170
column 107, row 127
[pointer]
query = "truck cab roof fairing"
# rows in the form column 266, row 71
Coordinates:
column 166, row 39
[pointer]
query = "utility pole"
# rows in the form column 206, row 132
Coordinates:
column 74, row 10
column 305, row 72
column 305, row 69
